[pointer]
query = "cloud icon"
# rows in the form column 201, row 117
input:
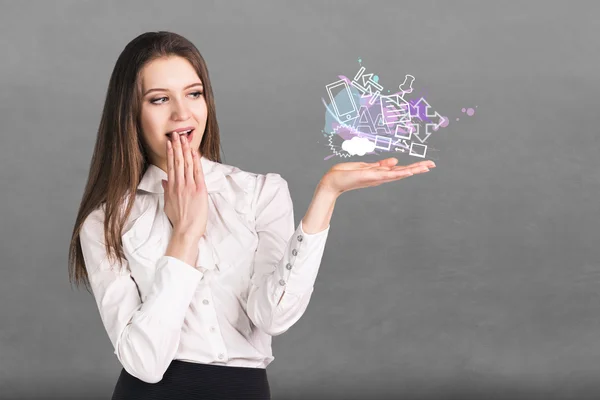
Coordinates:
column 358, row 146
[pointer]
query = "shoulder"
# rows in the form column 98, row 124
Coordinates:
column 93, row 224
column 257, row 185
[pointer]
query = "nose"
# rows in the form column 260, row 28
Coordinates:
column 180, row 111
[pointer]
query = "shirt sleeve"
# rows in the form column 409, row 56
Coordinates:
column 286, row 261
column 145, row 335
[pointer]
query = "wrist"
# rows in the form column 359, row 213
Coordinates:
column 325, row 190
column 320, row 210
column 184, row 236
column 184, row 247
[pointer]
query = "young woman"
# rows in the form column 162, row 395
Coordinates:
column 194, row 264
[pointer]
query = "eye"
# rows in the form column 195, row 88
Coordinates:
column 155, row 101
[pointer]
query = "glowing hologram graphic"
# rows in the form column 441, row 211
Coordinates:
column 423, row 131
column 365, row 120
column 423, row 104
column 403, row 133
column 367, row 84
column 443, row 122
column 420, row 150
column 383, row 142
column 395, row 110
column 358, row 146
column 361, row 120
column 345, row 136
column 344, row 106
column 406, row 86
column 423, row 108
column 402, row 143
column 331, row 112
column 379, row 126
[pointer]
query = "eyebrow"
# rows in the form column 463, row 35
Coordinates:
column 166, row 90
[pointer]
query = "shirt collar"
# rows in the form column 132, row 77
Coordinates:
column 214, row 178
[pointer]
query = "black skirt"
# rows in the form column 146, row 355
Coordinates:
column 194, row 381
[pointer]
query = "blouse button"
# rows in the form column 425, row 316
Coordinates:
column 288, row 266
column 299, row 238
column 282, row 282
column 212, row 328
column 221, row 356
column 205, row 302
column 295, row 252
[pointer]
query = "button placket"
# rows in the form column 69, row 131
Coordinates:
column 212, row 319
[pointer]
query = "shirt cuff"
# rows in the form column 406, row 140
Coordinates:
column 323, row 232
column 302, row 260
column 175, row 283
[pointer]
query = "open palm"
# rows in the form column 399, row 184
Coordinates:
column 348, row 176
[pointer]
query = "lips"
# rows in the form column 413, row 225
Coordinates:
column 180, row 131
column 190, row 136
column 189, row 132
column 187, row 128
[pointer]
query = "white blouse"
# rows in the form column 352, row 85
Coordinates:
column 226, row 309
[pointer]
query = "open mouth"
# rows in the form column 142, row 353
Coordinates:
column 189, row 133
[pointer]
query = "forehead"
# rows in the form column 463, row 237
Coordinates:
column 172, row 73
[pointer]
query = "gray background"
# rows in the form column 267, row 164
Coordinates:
column 479, row 279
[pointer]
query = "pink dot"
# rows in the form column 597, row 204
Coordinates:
column 470, row 112
column 445, row 122
column 457, row 119
column 463, row 110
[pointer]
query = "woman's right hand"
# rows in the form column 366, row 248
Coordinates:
column 186, row 196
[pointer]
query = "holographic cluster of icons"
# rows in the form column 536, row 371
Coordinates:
column 360, row 119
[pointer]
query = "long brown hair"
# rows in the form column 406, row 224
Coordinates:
column 120, row 158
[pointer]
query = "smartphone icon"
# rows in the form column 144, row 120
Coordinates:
column 342, row 100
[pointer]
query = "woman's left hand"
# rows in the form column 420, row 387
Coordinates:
column 355, row 175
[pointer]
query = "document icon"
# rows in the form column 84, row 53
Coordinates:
column 395, row 111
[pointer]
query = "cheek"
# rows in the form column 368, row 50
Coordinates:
column 201, row 112
column 154, row 138
column 152, row 125
column 155, row 144
column 200, row 109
